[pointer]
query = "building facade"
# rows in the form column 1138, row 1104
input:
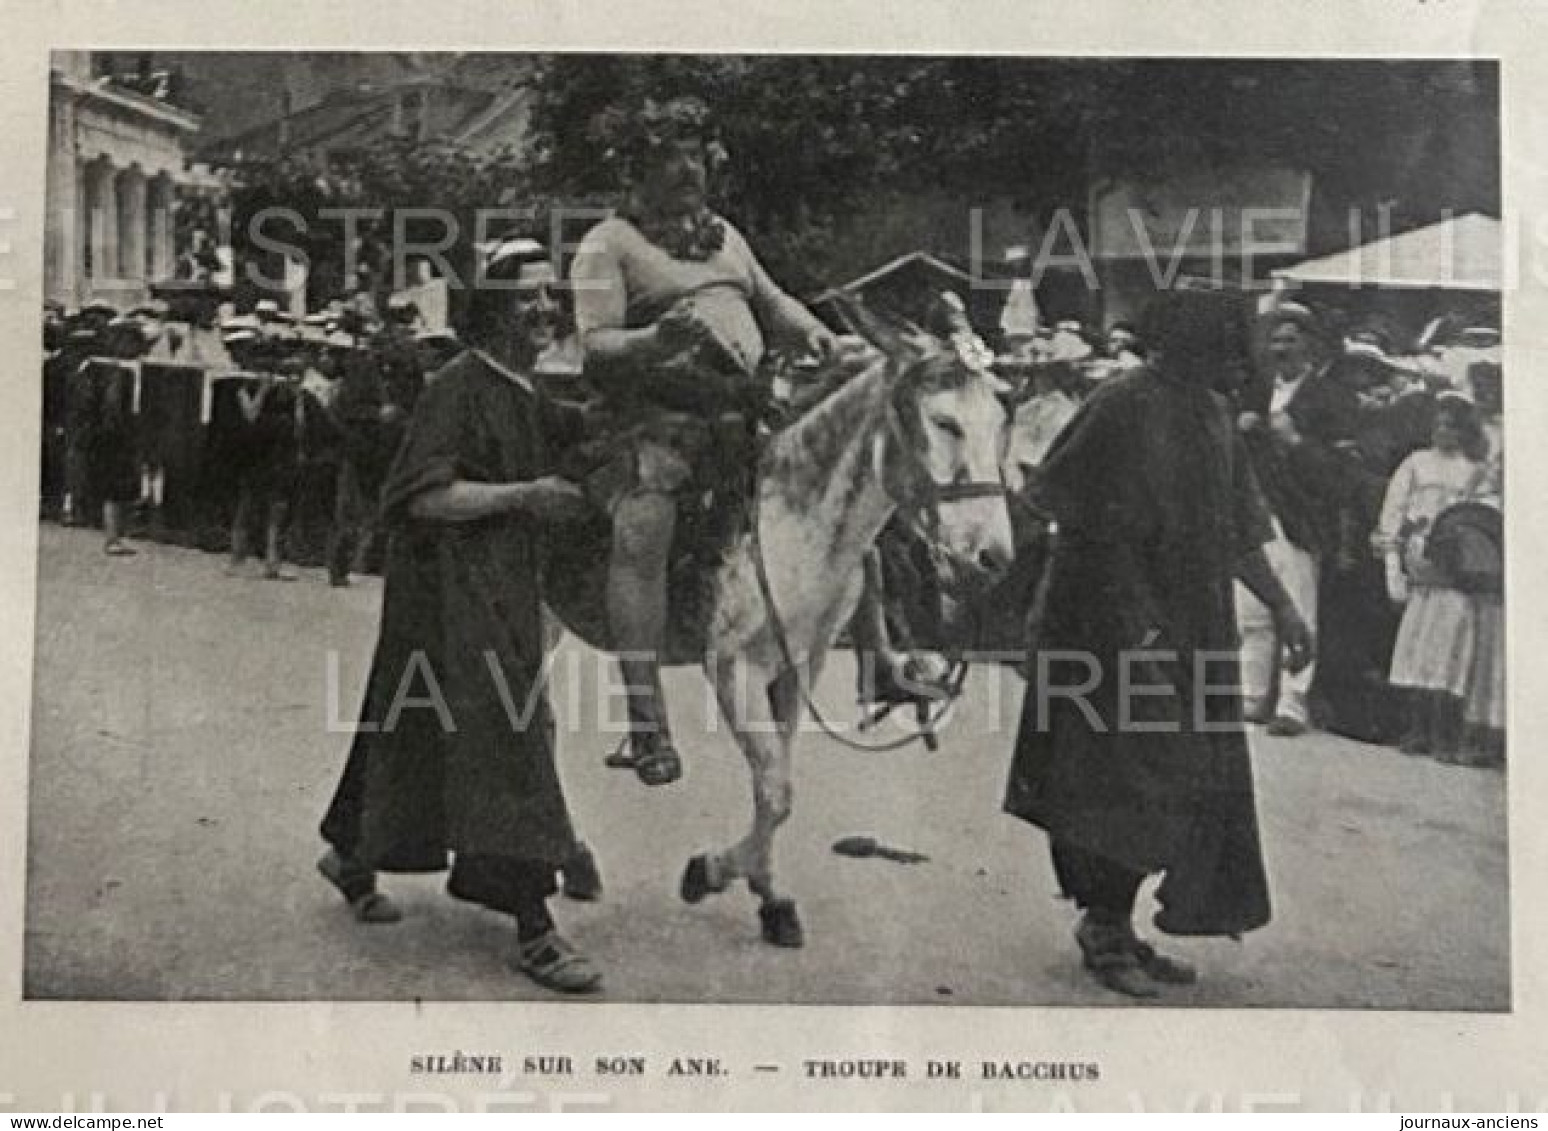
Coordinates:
column 116, row 163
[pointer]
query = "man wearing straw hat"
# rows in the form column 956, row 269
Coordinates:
column 1294, row 424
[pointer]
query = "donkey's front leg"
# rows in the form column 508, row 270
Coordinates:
column 744, row 692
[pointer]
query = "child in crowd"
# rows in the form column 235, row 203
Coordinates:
column 1446, row 654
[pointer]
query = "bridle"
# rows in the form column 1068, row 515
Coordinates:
column 925, row 495
column 922, row 510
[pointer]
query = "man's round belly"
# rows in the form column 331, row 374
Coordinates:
column 724, row 311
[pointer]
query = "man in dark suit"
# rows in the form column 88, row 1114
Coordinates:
column 1294, row 423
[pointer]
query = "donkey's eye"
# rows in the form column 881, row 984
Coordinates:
column 948, row 426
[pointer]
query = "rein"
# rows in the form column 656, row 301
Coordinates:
column 957, row 492
column 935, row 495
column 782, row 641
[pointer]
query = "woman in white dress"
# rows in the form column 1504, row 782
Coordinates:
column 1438, row 649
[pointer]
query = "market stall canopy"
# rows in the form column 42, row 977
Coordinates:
column 908, row 285
column 915, row 262
column 1460, row 254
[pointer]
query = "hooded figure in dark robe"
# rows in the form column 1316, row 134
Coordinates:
column 1131, row 752
column 455, row 751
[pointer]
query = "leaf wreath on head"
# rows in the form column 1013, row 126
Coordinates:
column 629, row 139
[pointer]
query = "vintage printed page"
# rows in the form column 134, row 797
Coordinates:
column 802, row 556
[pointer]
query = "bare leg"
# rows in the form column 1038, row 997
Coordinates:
column 239, row 526
column 76, row 492
column 273, row 547
column 113, row 529
column 876, row 660
column 643, row 522
column 887, row 674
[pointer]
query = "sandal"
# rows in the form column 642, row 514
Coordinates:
column 1163, row 968
column 1122, row 973
column 901, row 679
column 1109, row 954
column 375, row 907
column 1286, row 726
column 357, row 884
column 657, row 764
column 554, row 964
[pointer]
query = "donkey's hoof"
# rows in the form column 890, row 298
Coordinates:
column 781, row 924
column 696, row 880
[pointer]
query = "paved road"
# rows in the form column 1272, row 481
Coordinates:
column 182, row 756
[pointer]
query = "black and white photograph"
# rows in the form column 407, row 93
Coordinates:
column 784, row 529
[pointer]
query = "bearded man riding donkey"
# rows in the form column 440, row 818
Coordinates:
column 672, row 307
column 674, row 312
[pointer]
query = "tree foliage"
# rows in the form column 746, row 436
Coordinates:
column 400, row 188
column 817, row 142
column 827, row 150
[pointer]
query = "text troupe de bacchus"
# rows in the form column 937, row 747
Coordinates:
column 459, row 1063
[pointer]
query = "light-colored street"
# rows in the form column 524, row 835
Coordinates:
column 182, row 756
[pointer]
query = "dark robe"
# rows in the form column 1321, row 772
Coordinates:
column 480, row 781
column 1156, row 504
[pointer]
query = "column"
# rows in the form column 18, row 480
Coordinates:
column 60, row 230
column 159, row 202
column 129, row 188
column 102, row 226
column 80, row 225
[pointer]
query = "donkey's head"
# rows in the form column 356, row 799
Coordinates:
column 942, row 449
column 944, row 465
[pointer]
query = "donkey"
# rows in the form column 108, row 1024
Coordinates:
column 914, row 430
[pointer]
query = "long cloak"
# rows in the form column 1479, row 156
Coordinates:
column 1156, row 504
column 465, row 762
